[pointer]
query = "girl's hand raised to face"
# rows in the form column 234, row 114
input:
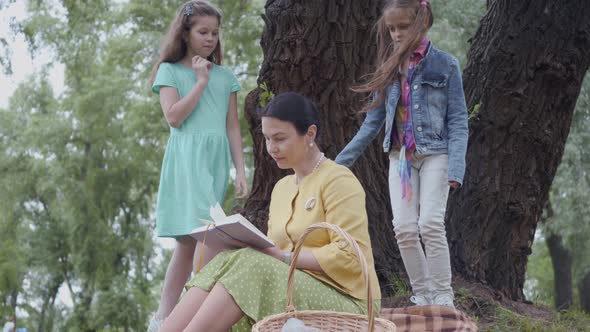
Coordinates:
column 201, row 66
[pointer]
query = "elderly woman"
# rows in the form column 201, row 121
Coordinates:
column 239, row 287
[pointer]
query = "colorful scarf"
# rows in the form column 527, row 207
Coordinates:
column 403, row 137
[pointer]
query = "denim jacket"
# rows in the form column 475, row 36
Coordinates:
column 439, row 114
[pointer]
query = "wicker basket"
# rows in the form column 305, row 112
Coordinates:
column 327, row 321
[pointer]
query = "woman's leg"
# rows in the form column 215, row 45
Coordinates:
column 178, row 271
column 204, row 254
column 219, row 311
column 434, row 191
column 185, row 311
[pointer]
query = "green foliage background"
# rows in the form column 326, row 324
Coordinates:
column 80, row 169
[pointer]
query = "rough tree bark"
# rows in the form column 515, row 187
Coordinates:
column 320, row 49
column 525, row 70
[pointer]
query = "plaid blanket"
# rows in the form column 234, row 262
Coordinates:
column 430, row 318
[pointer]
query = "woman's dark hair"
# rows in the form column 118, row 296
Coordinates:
column 294, row 108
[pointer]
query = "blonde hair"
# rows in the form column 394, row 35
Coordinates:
column 174, row 45
column 391, row 56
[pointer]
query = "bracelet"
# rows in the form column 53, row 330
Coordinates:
column 287, row 257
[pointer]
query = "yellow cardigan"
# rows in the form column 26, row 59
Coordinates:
column 331, row 194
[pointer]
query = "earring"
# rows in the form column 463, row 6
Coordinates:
column 310, row 145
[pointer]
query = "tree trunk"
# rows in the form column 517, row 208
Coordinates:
column 525, row 70
column 14, row 303
column 584, row 290
column 320, row 48
column 561, row 259
column 49, row 295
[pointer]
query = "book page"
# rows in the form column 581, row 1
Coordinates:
column 241, row 219
column 230, row 229
column 217, row 213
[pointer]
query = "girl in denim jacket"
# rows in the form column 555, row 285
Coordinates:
column 418, row 94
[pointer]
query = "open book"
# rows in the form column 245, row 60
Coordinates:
column 226, row 232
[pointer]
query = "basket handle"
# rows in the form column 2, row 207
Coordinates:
column 356, row 250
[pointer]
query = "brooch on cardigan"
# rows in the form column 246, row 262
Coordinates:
column 310, row 204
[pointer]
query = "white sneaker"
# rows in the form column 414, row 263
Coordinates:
column 155, row 324
column 444, row 300
column 420, row 300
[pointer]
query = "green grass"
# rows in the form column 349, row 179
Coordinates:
column 507, row 320
column 399, row 285
column 490, row 316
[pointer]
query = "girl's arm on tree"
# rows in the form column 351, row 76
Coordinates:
column 235, row 144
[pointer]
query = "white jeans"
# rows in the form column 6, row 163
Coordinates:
column 423, row 216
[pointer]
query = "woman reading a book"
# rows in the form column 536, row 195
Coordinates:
column 239, row 287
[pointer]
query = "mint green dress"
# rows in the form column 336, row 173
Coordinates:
column 195, row 169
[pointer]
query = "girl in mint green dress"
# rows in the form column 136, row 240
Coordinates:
column 198, row 99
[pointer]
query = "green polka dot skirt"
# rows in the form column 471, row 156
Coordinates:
column 258, row 284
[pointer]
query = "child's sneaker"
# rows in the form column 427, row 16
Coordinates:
column 444, row 300
column 420, row 300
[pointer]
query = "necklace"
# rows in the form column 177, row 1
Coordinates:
column 317, row 164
